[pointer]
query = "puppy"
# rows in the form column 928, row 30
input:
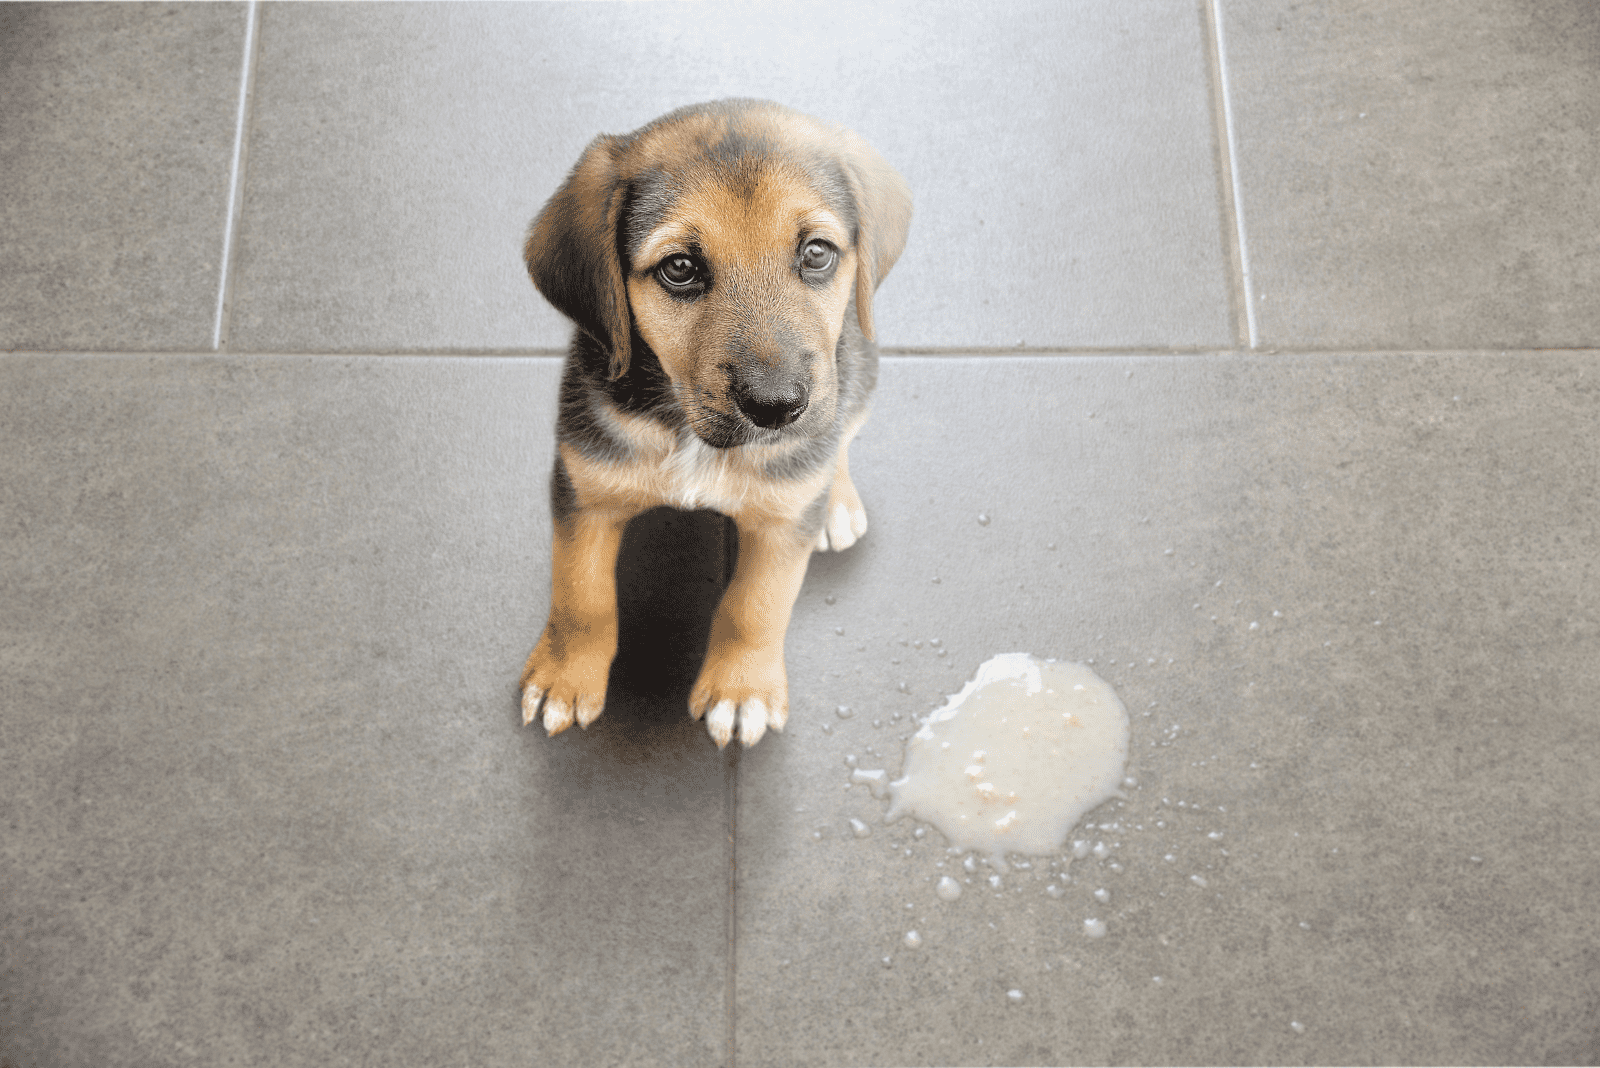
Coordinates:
column 719, row 264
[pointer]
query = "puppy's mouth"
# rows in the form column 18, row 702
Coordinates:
column 723, row 431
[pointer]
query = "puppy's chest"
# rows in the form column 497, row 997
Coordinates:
column 695, row 475
column 676, row 468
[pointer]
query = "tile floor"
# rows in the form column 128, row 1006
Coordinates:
column 1264, row 333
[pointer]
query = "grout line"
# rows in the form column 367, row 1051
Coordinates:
column 730, row 556
column 730, row 995
column 235, row 179
column 1064, row 353
column 1233, row 195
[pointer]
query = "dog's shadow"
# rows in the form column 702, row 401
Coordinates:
column 672, row 569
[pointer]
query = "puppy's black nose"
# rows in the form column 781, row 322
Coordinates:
column 770, row 404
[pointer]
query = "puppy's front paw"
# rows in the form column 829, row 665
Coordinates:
column 743, row 689
column 565, row 687
column 846, row 520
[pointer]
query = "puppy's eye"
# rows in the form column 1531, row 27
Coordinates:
column 679, row 272
column 818, row 256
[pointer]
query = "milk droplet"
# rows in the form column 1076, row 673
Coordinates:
column 983, row 519
column 876, row 779
column 913, row 940
column 1014, row 997
column 830, row 599
column 1299, row 1028
column 1094, row 928
column 948, row 889
column 1198, row 880
column 1102, row 895
column 1054, row 891
column 844, row 712
column 859, row 829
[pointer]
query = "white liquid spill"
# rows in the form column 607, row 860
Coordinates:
column 1014, row 997
column 948, row 889
column 1013, row 761
column 913, row 940
column 1299, row 1028
column 859, row 829
column 1094, row 928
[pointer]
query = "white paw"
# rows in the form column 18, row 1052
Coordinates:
column 752, row 717
column 559, row 714
column 844, row 527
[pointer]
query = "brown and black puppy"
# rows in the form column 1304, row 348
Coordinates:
column 720, row 265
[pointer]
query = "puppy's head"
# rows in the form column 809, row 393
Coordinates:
column 734, row 237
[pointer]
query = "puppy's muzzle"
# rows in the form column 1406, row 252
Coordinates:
column 771, row 399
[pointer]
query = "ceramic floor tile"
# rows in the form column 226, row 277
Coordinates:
column 1419, row 177
column 1061, row 156
column 1349, row 603
column 268, row 799
column 116, row 142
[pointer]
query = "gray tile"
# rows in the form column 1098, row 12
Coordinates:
column 1061, row 156
column 1350, row 606
column 1419, row 176
column 116, row 141
column 268, row 799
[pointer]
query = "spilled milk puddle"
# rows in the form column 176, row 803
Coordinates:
column 1004, row 771
column 1013, row 762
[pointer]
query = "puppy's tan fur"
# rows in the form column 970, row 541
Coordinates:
column 738, row 390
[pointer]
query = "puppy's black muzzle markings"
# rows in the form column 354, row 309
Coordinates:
column 719, row 264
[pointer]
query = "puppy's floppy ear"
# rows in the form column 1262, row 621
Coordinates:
column 883, row 207
column 572, row 251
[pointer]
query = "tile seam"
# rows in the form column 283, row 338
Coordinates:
column 730, row 995
column 1233, row 194
column 730, row 558
column 1065, row 354
column 235, row 182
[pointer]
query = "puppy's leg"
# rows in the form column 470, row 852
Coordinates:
column 568, row 669
column 743, row 680
column 846, row 519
